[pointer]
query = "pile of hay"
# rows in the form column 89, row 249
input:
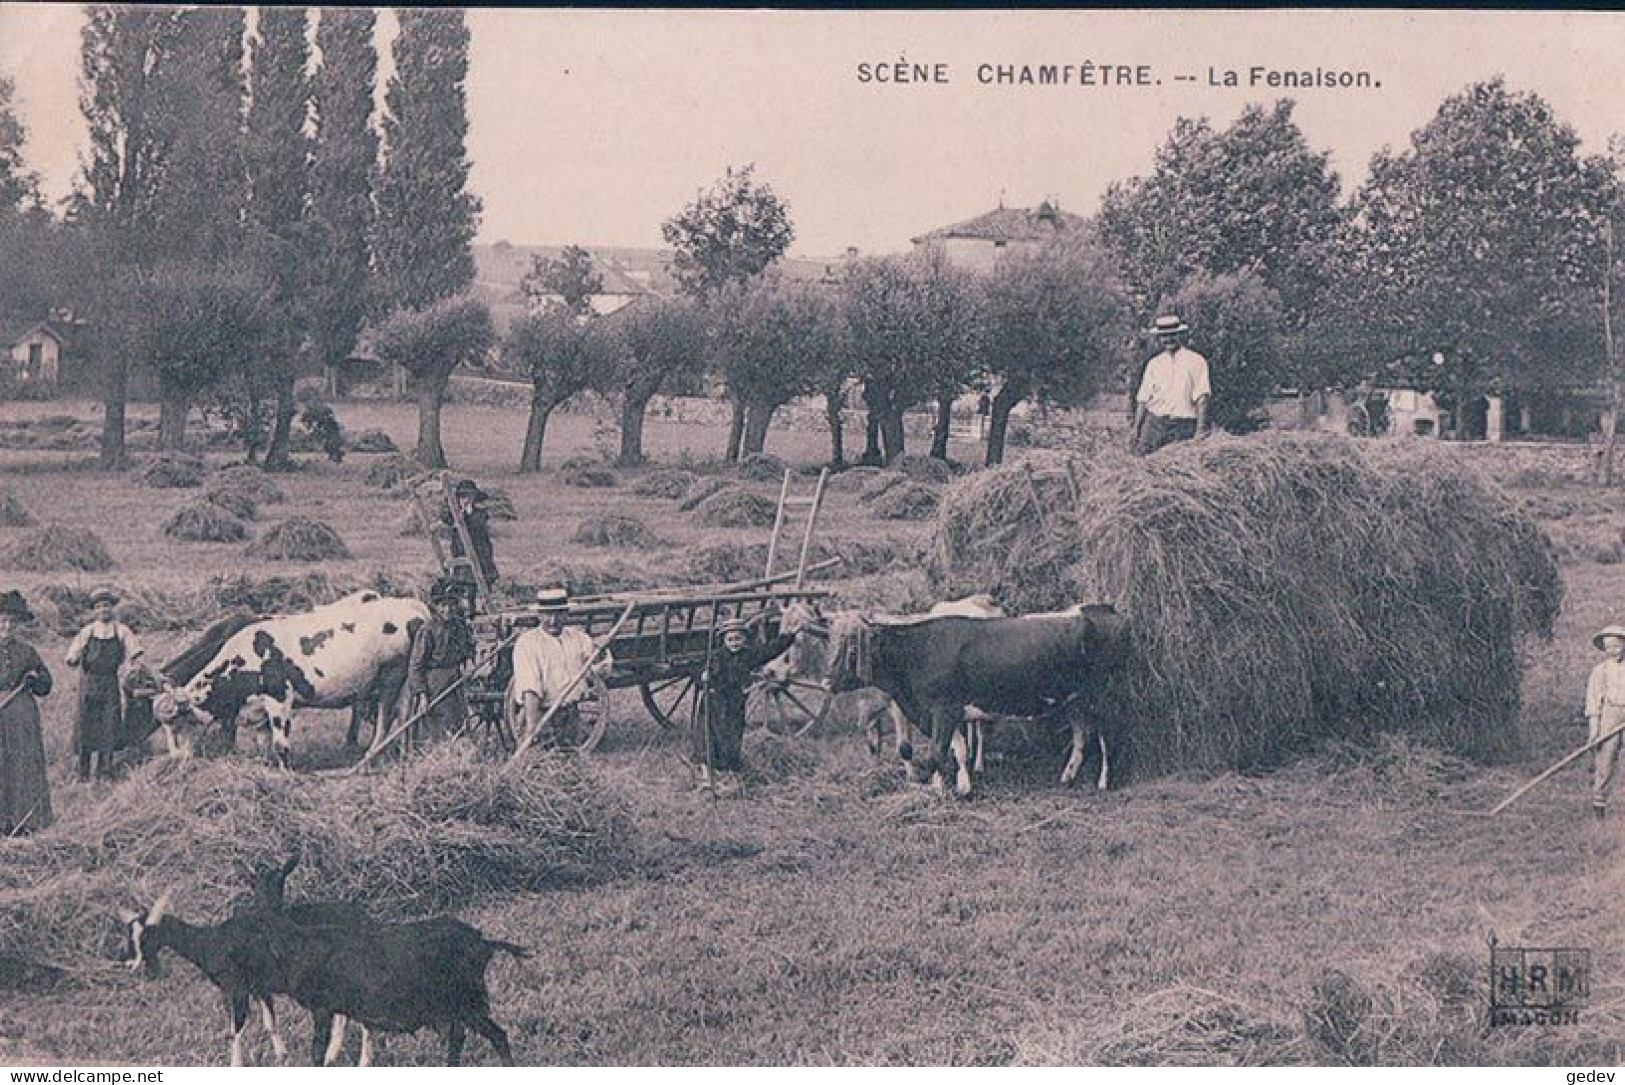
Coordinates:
column 701, row 489
column 498, row 505
column 587, row 577
column 300, row 538
column 1281, row 590
column 597, row 477
column 371, row 440
column 392, row 472
column 724, row 563
column 13, row 513
column 880, row 485
column 667, row 482
column 205, row 521
column 737, row 508
column 54, row 547
column 249, row 481
column 761, row 467
column 620, row 532
column 907, row 502
column 291, row 594
column 854, row 478
column 239, row 503
column 925, row 469
column 776, row 759
column 441, row 832
column 173, row 472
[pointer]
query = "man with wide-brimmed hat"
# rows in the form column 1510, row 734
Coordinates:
column 442, row 647
column 1605, row 711
column 100, row 651
column 546, row 660
column 720, row 729
column 1171, row 404
column 25, row 795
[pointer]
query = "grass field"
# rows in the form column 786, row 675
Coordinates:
column 1334, row 911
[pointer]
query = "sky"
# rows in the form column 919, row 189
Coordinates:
column 594, row 127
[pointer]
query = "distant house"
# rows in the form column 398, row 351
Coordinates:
column 981, row 242
column 31, row 353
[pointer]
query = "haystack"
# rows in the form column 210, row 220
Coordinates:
column 701, row 489
column 881, row 484
column 498, row 504
column 761, row 467
column 737, row 508
column 371, row 440
column 13, row 513
column 245, row 479
column 667, row 482
column 55, row 547
column 926, row 469
column 239, row 503
column 440, row 832
column 205, row 521
column 392, row 472
column 1281, row 590
column 589, row 577
column 171, row 472
column 300, row 538
column 588, row 478
column 620, row 532
column 910, row 501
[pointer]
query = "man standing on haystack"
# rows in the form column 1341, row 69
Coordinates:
column 1171, row 404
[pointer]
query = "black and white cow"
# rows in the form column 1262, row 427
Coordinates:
column 1027, row 666
column 353, row 650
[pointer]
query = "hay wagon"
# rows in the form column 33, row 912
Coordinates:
column 660, row 643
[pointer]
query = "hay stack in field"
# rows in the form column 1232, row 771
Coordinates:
column 55, row 547
column 761, row 467
column 13, row 513
column 239, row 503
column 300, row 538
column 443, row 831
column 737, row 508
column 392, row 472
column 1281, row 590
column 667, row 482
column 371, row 440
column 908, row 502
column 205, row 521
column 854, row 478
column 498, row 504
column 620, row 532
column 701, row 489
column 588, row 478
column 245, row 479
column 587, row 577
column 926, row 469
column 173, row 472
column 879, row 485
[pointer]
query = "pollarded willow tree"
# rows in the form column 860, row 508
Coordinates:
column 431, row 343
column 561, row 354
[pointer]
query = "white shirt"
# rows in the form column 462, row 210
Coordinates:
column 544, row 664
column 1605, row 687
column 103, row 631
column 1173, row 382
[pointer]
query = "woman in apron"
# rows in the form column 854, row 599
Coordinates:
column 99, row 651
column 25, row 798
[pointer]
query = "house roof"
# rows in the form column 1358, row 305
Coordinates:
column 12, row 334
column 1010, row 224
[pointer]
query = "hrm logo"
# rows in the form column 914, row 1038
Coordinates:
column 1538, row 986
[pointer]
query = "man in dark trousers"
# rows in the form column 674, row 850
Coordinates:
column 439, row 652
column 471, row 503
column 720, row 727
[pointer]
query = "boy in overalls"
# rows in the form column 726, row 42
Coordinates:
column 100, row 651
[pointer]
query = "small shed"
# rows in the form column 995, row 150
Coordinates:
column 31, row 353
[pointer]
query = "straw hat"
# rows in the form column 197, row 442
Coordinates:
column 733, row 625
column 553, row 598
column 1168, row 325
column 1608, row 631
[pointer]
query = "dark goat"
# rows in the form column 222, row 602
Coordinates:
column 388, row 977
column 244, row 957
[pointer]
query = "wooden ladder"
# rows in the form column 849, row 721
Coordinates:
column 449, row 563
column 813, row 505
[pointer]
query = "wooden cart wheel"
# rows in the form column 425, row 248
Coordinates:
column 670, row 701
column 787, row 706
column 593, row 719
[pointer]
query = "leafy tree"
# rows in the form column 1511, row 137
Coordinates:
column 914, row 329
column 1483, row 242
column 19, row 186
column 773, row 340
column 426, row 217
column 662, row 342
column 1054, row 324
column 1236, row 320
column 561, row 354
column 570, row 278
column 343, row 158
column 28, row 241
column 278, row 154
column 430, row 344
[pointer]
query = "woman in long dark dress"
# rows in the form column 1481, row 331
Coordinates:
column 25, row 798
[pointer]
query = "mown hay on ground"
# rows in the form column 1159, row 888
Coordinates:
column 667, row 482
column 588, row 478
column 620, row 532
column 737, row 508
column 13, row 513
column 853, row 479
column 55, row 547
column 701, row 489
column 586, row 577
column 246, row 479
column 1280, row 590
column 300, row 538
column 925, row 469
column 239, row 503
column 173, row 472
column 907, row 502
column 498, row 504
column 205, row 521
column 761, row 467
column 880, row 484
column 444, row 831
column 371, row 440
column 392, row 472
